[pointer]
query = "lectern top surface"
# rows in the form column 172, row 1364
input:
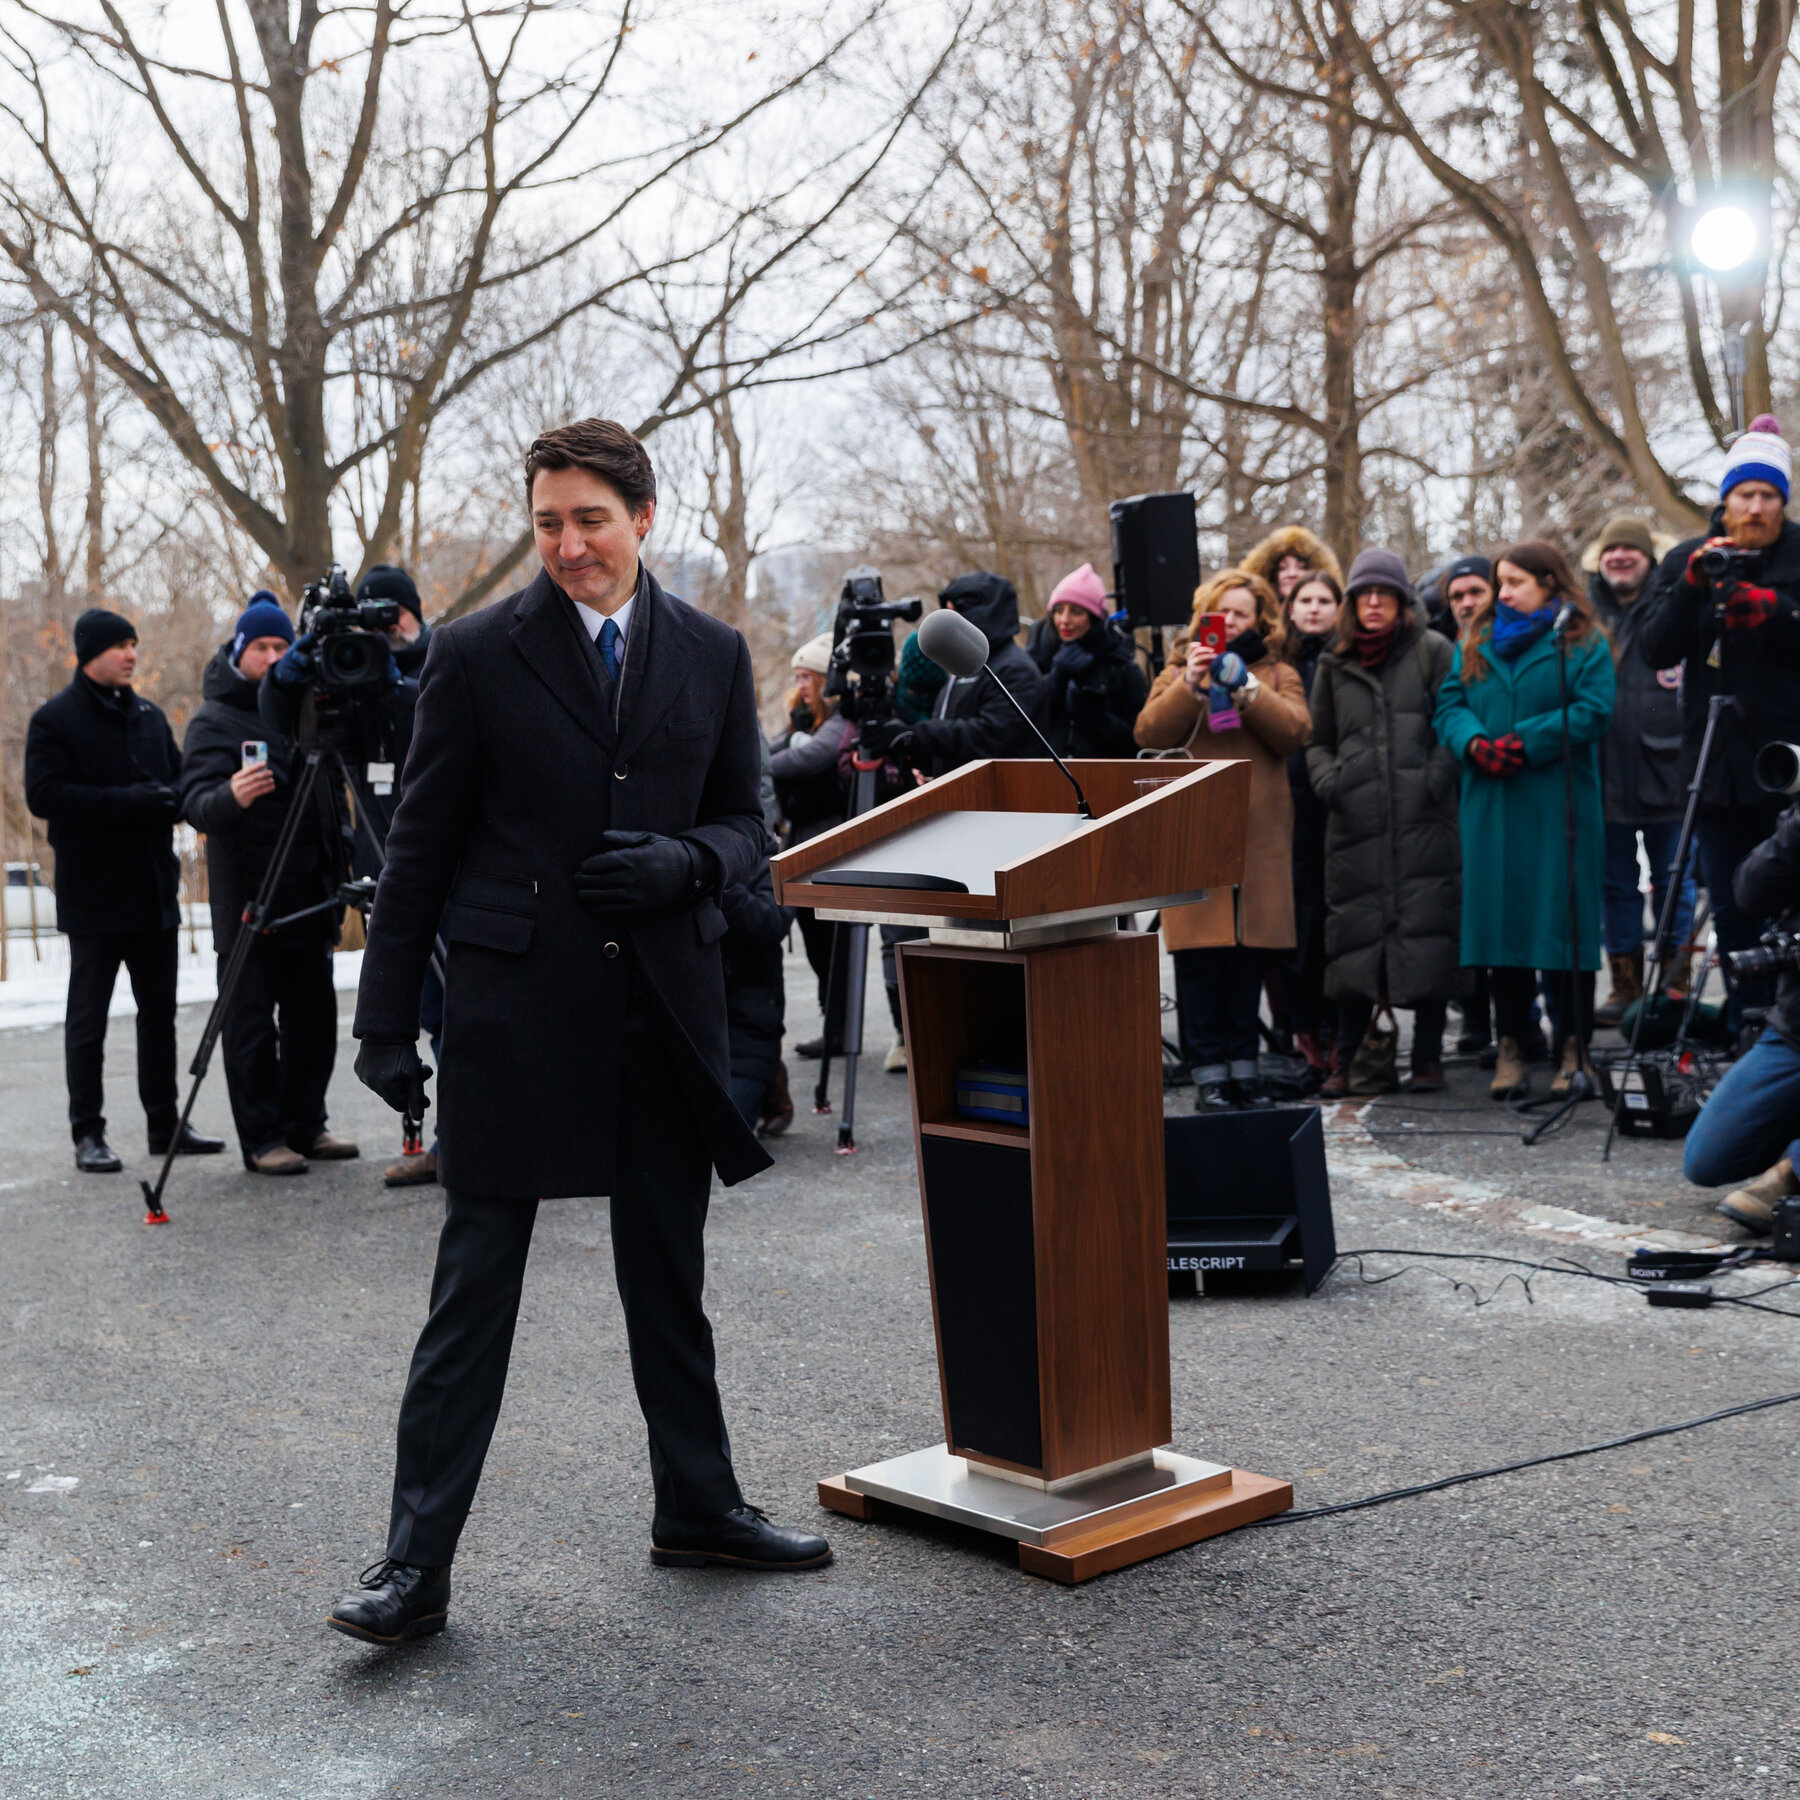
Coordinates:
column 964, row 848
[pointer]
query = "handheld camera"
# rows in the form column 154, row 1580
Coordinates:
column 352, row 654
column 863, row 659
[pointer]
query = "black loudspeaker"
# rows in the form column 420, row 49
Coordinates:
column 1247, row 1195
column 1156, row 557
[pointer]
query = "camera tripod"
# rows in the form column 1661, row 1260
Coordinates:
column 1656, row 971
column 855, row 965
column 316, row 756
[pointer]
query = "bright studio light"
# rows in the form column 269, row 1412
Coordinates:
column 1724, row 238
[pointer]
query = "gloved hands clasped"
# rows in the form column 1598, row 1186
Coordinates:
column 395, row 1072
column 1499, row 757
column 641, row 872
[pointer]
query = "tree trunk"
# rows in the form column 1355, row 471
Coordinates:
column 1339, row 279
column 89, row 376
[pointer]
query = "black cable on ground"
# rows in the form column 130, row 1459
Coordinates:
column 1529, row 1462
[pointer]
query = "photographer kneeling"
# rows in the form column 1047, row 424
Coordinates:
column 236, row 787
column 1752, row 1120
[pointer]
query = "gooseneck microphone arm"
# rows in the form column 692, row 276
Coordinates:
column 1081, row 805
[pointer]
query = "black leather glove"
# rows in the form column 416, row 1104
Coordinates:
column 639, row 872
column 1073, row 661
column 395, row 1072
column 885, row 737
column 156, row 802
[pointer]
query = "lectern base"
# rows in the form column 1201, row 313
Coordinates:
column 1077, row 1532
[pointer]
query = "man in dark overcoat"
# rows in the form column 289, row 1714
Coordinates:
column 102, row 768
column 583, row 784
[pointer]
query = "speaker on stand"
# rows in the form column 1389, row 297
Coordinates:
column 1156, row 563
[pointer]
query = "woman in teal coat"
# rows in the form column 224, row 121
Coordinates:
column 1499, row 713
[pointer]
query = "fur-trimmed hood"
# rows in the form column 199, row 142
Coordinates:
column 1292, row 540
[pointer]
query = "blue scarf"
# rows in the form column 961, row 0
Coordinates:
column 1515, row 632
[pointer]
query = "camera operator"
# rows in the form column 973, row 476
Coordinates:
column 811, row 795
column 101, row 768
column 236, row 785
column 1727, row 608
column 971, row 719
column 1752, row 1120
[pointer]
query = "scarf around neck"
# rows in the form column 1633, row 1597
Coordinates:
column 1515, row 632
column 1372, row 647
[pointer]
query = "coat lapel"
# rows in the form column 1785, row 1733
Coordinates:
column 540, row 634
column 656, row 666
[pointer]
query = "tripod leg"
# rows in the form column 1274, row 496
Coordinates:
column 251, row 925
column 856, row 973
column 822, row 1087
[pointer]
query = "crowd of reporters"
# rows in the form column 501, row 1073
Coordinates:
column 1451, row 788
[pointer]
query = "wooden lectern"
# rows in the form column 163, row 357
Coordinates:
column 1046, row 1239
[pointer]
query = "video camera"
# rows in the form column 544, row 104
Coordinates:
column 1777, row 954
column 1722, row 564
column 863, row 661
column 352, row 655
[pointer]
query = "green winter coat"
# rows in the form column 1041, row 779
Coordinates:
column 1515, row 911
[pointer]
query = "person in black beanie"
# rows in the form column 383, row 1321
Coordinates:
column 102, row 768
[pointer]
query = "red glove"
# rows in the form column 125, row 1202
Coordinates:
column 1747, row 607
column 1498, row 757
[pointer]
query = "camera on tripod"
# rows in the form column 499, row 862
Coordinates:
column 351, row 634
column 1723, row 563
column 863, row 660
column 1777, row 952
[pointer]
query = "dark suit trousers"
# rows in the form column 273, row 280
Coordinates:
column 150, row 959
column 280, row 1041
column 659, row 1201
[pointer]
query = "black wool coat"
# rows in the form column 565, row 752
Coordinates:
column 1393, row 857
column 100, row 767
column 1761, row 668
column 523, row 754
column 240, row 841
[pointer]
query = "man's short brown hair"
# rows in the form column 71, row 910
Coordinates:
column 603, row 447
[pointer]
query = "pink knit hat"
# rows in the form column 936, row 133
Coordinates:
column 1083, row 588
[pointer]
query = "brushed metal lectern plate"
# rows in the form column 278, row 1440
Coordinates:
column 958, row 846
column 952, row 1487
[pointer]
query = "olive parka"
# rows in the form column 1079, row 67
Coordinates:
column 1515, row 885
column 1393, row 869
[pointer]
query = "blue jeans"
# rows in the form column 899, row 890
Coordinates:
column 1749, row 1123
column 1625, row 927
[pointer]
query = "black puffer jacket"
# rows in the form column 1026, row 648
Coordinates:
column 101, row 766
column 1767, row 886
column 973, row 719
column 241, row 840
column 1393, row 863
column 1640, row 756
column 1761, row 668
column 1093, row 690
column 1311, row 814
column 755, row 1004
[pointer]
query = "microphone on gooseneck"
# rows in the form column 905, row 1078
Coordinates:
column 961, row 649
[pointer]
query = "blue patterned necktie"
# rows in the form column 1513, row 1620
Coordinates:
column 609, row 648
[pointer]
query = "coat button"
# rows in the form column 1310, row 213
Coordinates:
column 609, row 949
column 621, row 771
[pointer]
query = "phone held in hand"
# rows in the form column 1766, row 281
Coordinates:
column 1214, row 631
column 255, row 753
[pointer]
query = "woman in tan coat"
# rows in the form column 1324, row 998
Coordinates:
column 1244, row 704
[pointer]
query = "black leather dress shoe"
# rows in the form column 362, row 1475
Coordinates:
column 190, row 1143
column 744, row 1539
column 95, row 1156
column 395, row 1601
column 1214, row 1097
column 1250, row 1096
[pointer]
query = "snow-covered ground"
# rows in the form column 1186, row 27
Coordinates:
column 36, row 989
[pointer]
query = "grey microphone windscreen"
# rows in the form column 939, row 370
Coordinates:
column 953, row 643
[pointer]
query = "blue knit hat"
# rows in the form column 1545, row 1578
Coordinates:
column 1761, row 454
column 262, row 618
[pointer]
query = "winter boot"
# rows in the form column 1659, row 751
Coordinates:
column 1627, row 987
column 1509, row 1070
column 1753, row 1205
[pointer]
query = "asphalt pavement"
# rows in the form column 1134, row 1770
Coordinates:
column 195, row 1436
